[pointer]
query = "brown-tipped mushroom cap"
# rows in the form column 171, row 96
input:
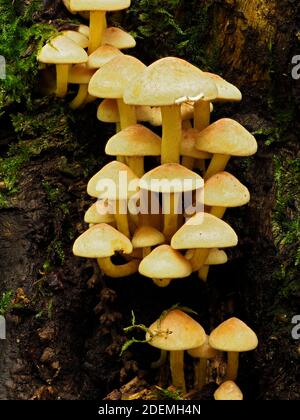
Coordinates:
column 99, row 212
column 188, row 142
column 147, row 236
column 171, row 178
column 168, row 80
column 135, row 140
column 108, row 177
column 118, row 38
column 165, row 263
column 216, row 257
column 224, row 190
column 227, row 137
column 77, row 37
column 233, row 335
column 204, row 231
column 62, row 50
column 203, row 352
column 108, row 111
column 101, row 241
column 111, row 80
column 80, row 74
column 226, row 91
column 102, row 55
column 108, row 5
column 228, row 391
column 176, row 331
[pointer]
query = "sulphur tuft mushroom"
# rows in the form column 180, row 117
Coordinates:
column 118, row 38
column 165, row 264
column 188, row 149
column 228, row 391
column 102, row 242
column 215, row 257
column 100, row 212
column 176, row 332
column 233, row 336
column 80, row 75
column 146, row 237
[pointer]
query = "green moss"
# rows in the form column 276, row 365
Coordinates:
column 6, row 302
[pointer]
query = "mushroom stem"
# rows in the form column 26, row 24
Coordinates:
column 199, row 258
column 162, row 282
column 117, row 271
column 177, row 369
column 170, row 215
column 172, row 131
column 217, row 164
column 97, row 28
column 121, row 217
column 118, row 127
column 201, row 115
column 200, row 373
column 136, row 163
column 232, row 365
column 188, row 162
column 127, row 114
column 218, row 211
column 203, row 273
column 200, row 164
column 81, row 97
column 62, row 75
column 89, row 99
column 161, row 361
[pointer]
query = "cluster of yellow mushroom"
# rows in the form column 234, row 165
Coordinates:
column 159, row 168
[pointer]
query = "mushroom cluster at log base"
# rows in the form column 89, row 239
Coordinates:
column 165, row 223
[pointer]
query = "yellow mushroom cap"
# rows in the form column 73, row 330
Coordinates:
column 204, row 231
column 176, row 331
column 188, row 142
column 147, row 236
column 118, row 38
column 224, row 190
column 203, row 352
column 135, row 140
column 112, row 182
column 227, row 137
column 226, row 91
column 168, row 80
column 171, row 178
column 101, row 241
column 84, row 30
column 62, row 50
column 228, row 391
column 80, row 74
column 77, row 37
column 99, row 212
column 233, row 335
column 68, row 6
column 108, row 111
column 111, row 79
column 216, row 257
column 108, row 5
column 102, row 55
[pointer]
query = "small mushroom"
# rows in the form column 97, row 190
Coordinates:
column 172, row 180
column 118, row 38
column 203, row 232
column 176, row 332
column 102, row 55
column 215, row 257
column 109, row 184
column 203, row 353
column 134, row 143
column 228, row 391
column 224, row 190
column 97, row 9
column 62, row 52
column 146, row 237
column 100, row 212
column 233, row 336
column 163, row 265
column 108, row 112
column 102, row 242
column 77, row 37
column 188, row 149
column 225, row 138
column 80, row 75
column 168, row 83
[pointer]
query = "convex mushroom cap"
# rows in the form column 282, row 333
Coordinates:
column 101, row 241
column 165, row 263
column 107, row 5
column 102, row 56
column 80, row 74
column 216, row 257
column 147, row 236
column 176, row 331
column 227, row 137
column 233, row 335
column 228, row 391
column 188, row 143
column 223, row 189
column 99, row 212
column 77, row 37
column 226, row 90
column 118, row 38
column 62, row 50
column 168, row 81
